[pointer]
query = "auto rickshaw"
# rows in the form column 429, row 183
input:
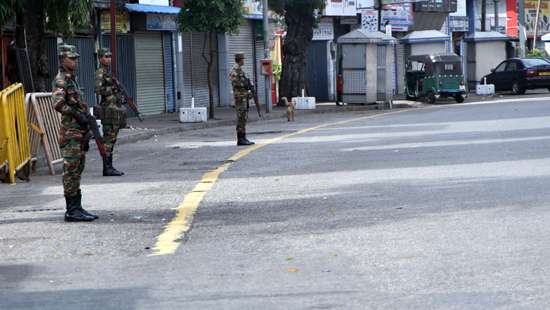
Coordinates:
column 434, row 76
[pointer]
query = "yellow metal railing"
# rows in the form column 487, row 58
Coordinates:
column 15, row 153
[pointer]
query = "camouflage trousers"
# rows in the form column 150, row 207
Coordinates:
column 242, row 113
column 110, row 134
column 74, row 160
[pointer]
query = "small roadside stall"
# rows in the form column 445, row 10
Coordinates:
column 366, row 63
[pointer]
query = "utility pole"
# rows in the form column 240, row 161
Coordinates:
column 113, row 39
column 495, row 3
column 536, row 26
column 268, row 105
column 521, row 28
column 483, row 15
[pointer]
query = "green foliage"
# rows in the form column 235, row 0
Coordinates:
column 8, row 9
column 65, row 16
column 536, row 53
column 277, row 71
column 219, row 16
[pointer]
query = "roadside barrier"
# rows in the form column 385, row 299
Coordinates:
column 15, row 153
column 45, row 124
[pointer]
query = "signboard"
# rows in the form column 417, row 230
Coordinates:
column 340, row 8
column 369, row 19
column 324, row 31
column 365, row 4
column 253, row 9
column 458, row 23
column 155, row 2
column 399, row 16
column 122, row 21
column 436, row 6
column 530, row 15
column 161, row 22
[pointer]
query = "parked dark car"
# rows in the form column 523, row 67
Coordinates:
column 520, row 74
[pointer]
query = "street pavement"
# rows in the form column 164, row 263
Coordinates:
column 441, row 207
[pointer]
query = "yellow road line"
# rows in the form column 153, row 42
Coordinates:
column 170, row 239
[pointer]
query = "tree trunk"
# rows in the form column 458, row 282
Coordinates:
column 209, row 61
column 33, row 21
column 295, row 47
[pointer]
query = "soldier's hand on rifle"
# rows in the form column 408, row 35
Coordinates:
column 82, row 118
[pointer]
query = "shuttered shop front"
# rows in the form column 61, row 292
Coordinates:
column 150, row 73
column 195, row 70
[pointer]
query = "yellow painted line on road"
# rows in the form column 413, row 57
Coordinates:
column 170, row 239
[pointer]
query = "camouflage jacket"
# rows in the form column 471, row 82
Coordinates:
column 105, row 87
column 67, row 99
column 239, row 81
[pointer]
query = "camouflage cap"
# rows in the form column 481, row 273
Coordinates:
column 104, row 52
column 239, row 56
column 66, row 50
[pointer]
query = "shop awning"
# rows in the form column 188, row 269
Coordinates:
column 153, row 9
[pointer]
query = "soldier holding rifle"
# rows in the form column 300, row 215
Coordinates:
column 110, row 110
column 243, row 90
column 75, row 120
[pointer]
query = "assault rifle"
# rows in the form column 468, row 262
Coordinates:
column 250, row 87
column 92, row 125
column 128, row 100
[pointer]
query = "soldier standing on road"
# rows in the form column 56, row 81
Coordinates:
column 111, row 111
column 67, row 98
column 241, row 93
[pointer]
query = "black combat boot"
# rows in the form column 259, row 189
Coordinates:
column 118, row 173
column 247, row 141
column 73, row 213
column 241, row 140
column 108, row 170
column 78, row 203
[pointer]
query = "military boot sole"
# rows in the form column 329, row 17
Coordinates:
column 72, row 219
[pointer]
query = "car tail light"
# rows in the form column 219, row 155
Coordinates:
column 531, row 72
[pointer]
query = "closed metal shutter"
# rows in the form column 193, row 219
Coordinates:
column 195, row 71
column 400, row 51
column 243, row 42
column 150, row 73
column 168, row 72
column 381, row 72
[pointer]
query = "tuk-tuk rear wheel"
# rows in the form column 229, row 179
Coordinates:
column 459, row 98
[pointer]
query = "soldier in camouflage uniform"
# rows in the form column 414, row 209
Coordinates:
column 67, row 97
column 111, row 112
column 241, row 93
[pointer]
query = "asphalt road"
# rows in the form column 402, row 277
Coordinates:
column 431, row 208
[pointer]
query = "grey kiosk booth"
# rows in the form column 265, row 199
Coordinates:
column 367, row 63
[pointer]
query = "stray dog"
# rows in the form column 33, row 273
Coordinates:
column 290, row 107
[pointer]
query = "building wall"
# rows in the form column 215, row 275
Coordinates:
column 488, row 56
column 428, row 48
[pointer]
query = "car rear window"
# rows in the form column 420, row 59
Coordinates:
column 533, row 62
